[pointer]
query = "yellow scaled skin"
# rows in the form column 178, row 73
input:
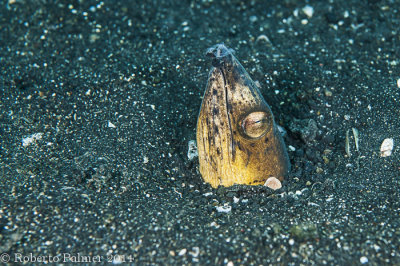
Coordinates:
column 232, row 110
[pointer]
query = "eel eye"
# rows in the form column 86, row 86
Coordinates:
column 256, row 124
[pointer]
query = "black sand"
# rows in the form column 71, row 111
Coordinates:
column 112, row 92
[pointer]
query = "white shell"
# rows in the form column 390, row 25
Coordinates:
column 273, row 183
column 387, row 147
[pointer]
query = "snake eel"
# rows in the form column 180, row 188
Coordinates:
column 237, row 139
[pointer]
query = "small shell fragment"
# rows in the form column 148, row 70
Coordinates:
column 273, row 183
column 356, row 139
column 225, row 208
column 192, row 150
column 263, row 37
column 387, row 147
column 31, row 139
column 182, row 252
column 347, row 144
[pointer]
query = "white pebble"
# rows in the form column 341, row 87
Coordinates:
column 32, row 138
column 225, row 209
column 273, row 183
column 387, row 147
column 182, row 252
column 308, row 10
column 111, row 125
column 398, row 83
column 235, row 200
column 214, row 224
column 363, row 260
